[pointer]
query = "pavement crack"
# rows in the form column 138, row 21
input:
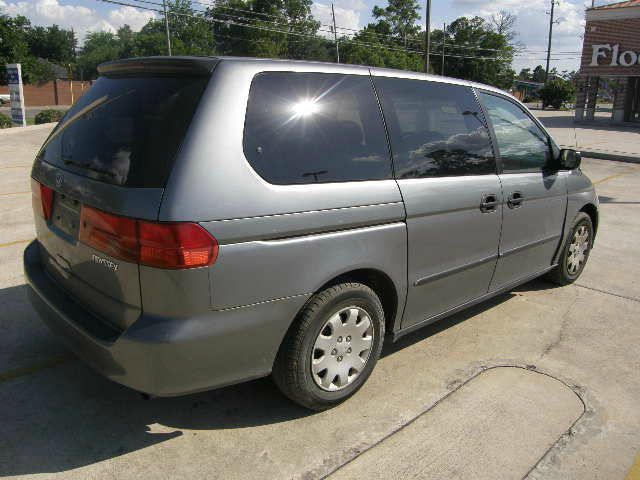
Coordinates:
column 608, row 293
column 561, row 332
column 353, row 453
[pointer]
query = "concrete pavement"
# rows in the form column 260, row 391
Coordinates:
column 563, row 404
column 612, row 142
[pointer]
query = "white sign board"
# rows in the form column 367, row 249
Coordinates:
column 16, row 95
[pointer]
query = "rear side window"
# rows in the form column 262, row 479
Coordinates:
column 126, row 131
column 315, row 127
column 522, row 144
column 436, row 129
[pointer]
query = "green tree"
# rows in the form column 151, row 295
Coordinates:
column 52, row 43
column 190, row 34
column 13, row 47
column 24, row 44
column 401, row 17
column 556, row 92
column 268, row 28
column 478, row 53
column 525, row 74
column 393, row 41
column 98, row 47
column 538, row 74
column 366, row 48
column 126, row 40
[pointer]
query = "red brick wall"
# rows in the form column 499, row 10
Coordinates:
column 625, row 32
column 57, row 92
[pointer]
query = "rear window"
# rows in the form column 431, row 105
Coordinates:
column 436, row 129
column 315, row 127
column 125, row 130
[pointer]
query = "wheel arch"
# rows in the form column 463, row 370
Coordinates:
column 591, row 210
column 380, row 283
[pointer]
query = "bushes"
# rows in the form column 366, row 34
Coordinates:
column 556, row 92
column 5, row 122
column 48, row 116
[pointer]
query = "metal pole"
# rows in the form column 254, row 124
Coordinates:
column 427, row 37
column 444, row 29
column 335, row 33
column 166, row 26
column 546, row 73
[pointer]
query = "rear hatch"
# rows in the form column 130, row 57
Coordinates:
column 107, row 162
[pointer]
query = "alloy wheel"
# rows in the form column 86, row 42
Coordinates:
column 578, row 249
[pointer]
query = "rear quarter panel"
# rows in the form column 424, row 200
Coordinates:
column 277, row 241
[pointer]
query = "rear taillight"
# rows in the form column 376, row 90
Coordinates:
column 176, row 245
column 162, row 245
column 41, row 199
column 116, row 236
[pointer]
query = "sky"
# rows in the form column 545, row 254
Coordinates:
column 532, row 23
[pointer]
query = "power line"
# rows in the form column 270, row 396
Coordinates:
column 209, row 18
column 328, row 28
column 238, row 19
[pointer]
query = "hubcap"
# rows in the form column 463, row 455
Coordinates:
column 342, row 348
column 578, row 249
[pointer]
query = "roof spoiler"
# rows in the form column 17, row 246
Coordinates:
column 190, row 66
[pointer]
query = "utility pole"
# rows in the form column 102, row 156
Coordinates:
column 551, row 22
column 335, row 33
column 427, row 37
column 444, row 30
column 166, row 26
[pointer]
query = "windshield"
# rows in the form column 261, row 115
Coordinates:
column 127, row 130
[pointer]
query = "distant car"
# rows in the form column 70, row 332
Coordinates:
column 4, row 98
column 206, row 221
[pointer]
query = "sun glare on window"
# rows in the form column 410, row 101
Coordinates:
column 304, row 108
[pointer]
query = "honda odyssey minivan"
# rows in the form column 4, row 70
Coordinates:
column 206, row 221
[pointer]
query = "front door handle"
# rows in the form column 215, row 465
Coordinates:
column 488, row 203
column 515, row 199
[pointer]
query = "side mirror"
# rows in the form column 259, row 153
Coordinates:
column 569, row 159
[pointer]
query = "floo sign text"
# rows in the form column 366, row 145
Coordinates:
column 625, row 59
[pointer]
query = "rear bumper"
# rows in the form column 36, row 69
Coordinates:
column 165, row 356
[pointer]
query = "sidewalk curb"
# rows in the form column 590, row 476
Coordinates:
column 600, row 155
column 28, row 128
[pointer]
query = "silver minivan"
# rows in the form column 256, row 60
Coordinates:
column 206, row 221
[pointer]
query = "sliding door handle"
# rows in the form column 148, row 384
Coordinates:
column 488, row 203
column 515, row 199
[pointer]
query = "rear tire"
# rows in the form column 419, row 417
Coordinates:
column 575, row 252
column 332, row 348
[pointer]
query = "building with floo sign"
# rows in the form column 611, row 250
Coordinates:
column 609, row 78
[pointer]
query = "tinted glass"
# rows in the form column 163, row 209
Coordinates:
column 522, row 144
column 313, row 127
column 436, row 129
column 125, row 131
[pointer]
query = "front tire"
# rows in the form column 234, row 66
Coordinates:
column 575, row 252
column 331, row 350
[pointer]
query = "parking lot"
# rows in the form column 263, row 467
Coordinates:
column 542, row 381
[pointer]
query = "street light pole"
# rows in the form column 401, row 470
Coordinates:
column 166, row 26
column 335, row 33
column 427, row 37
